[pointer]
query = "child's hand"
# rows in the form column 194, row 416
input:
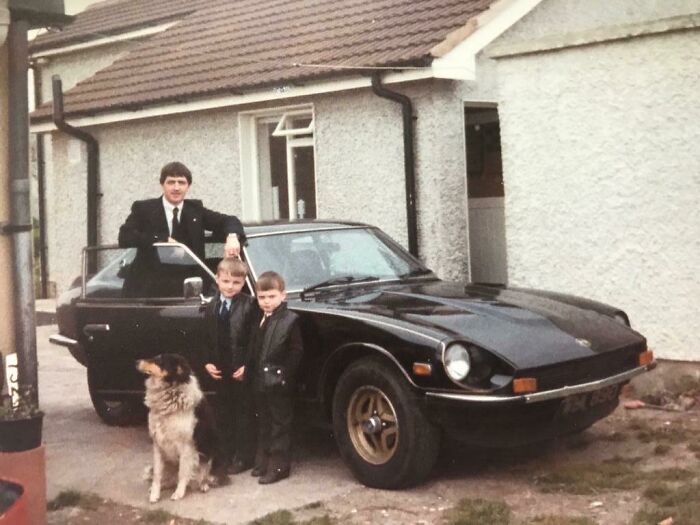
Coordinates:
column 214, row 372
column 238, row 374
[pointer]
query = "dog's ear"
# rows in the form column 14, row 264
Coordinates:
column 182, row 372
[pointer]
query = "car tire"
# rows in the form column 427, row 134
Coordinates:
column 120, row 413
column 382, row 434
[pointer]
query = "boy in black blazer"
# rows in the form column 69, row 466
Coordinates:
column 275, row 354
column 228, row 320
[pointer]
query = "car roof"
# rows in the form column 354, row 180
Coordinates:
column 253, row 229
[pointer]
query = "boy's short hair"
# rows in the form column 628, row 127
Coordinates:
column 270, row 281
column 175, row 169
column 232, row 266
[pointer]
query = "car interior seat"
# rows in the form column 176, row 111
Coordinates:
column 304, row 266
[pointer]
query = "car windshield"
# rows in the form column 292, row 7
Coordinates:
column 307, row 258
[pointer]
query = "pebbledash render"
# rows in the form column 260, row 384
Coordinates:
column 598, row 112
column 358, row 167
column 599, row 130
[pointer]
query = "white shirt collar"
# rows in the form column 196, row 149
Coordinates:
column 168, row 207
column 226, row 300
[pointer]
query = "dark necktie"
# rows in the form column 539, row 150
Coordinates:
column 223, row 313
column 176, row 224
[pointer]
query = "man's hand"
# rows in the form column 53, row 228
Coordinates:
column 238, row 374
column 214, row 372
column 232, row 248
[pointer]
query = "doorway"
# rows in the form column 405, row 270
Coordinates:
column 485, row 196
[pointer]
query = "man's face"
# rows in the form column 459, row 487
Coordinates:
column 175, row 189
column 229, row 285
column 268, row 300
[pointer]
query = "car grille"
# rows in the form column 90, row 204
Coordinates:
column 585, row 370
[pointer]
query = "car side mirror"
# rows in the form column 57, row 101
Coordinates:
column 192, row 287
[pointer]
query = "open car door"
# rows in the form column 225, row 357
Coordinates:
column 141, row 303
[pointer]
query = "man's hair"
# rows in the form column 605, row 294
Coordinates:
column 175, row 169
column 232, row 266
column 270, row 281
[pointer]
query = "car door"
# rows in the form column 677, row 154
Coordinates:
column 143, row 302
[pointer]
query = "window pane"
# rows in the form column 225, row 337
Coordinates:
column 157, row 271
column 305, row 183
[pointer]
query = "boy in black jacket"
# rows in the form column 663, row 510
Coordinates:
column 275, row 353
column 228, row 320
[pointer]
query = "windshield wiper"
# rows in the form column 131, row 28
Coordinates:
column 345, row 279
column 415, row 273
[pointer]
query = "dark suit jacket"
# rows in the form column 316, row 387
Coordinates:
column 147, row 224
column 244, row 310
column 277, row 343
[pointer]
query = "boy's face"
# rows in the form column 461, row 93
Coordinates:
column 229, row 285
column 175, row 189
column 270, row 299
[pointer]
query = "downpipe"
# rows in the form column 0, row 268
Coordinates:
column 93, row 159
column 408, row 157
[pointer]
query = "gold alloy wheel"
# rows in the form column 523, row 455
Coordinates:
column 372, row 425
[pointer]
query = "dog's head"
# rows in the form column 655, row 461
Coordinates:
column 171, row 368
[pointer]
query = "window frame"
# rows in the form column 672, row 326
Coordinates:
column 250, row 154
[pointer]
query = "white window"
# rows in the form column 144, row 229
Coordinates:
column 277, row 164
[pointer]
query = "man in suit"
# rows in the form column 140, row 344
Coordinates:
column 172, row 218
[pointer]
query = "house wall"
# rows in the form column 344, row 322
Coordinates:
column 360, row 168
column 601, row 169
column 359, row 171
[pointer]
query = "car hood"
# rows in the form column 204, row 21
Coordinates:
column 524, row 328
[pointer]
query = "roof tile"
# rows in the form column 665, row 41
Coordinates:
column 225, row 46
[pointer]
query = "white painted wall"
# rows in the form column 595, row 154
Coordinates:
column 359, row 170
column 602, row 173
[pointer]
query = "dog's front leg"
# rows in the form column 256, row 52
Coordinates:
column 188, row 457
column 157, row 475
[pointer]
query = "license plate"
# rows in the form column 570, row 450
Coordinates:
column 582, row 402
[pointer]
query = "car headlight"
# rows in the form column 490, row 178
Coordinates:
column 457, row 362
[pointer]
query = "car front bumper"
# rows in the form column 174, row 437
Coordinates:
column 517, row 420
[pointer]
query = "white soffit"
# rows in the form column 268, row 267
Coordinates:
column 456, row 55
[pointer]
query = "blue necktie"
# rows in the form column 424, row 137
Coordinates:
column 223, row 313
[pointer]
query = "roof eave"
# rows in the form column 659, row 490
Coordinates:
column 455, row 57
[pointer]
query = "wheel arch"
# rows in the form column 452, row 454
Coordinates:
column 345, row 355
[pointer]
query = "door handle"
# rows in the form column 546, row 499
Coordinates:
column 90, row 329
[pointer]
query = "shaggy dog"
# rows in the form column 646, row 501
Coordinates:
column 181, row 425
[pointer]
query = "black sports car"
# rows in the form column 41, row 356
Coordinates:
column 395, row 358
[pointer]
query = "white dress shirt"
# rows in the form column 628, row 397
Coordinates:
column 168, row 207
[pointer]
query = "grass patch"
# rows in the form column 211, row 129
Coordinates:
column 664, row 501
column 319, row 520
column 617, row 473
column 662, row 449
column 158, row 516
column 666, row 434
column 73, row 498
column 478, row 511
column 560, row 520
column 280, row 517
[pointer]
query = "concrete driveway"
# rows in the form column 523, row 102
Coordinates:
column 86, row 455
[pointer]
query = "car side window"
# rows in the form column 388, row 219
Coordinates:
column 150, row 273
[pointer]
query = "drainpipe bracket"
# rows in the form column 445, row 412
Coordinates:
column 7, row 228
